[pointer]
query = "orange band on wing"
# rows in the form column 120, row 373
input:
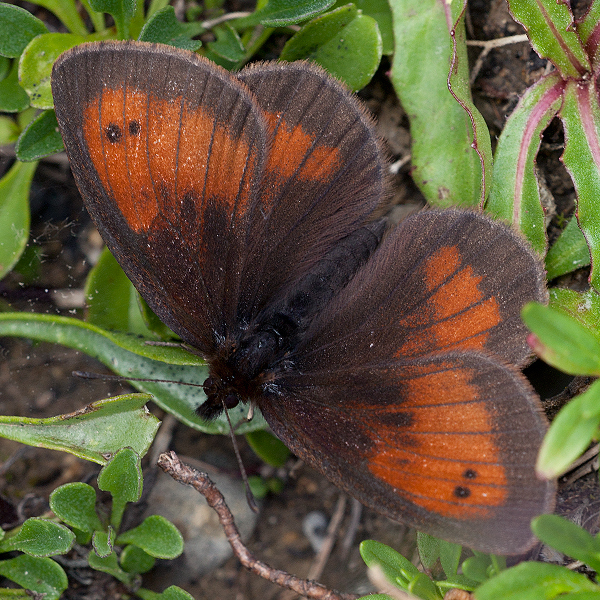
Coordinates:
column 139, row 132
column 457, row 314
column 293, row 153
column 446, row 458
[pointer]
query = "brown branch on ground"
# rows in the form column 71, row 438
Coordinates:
column 170, row 464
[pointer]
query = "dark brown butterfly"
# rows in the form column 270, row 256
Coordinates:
column 244, row 208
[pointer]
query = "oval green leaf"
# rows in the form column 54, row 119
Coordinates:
column 41, row 575
column 122, row 477
column 40, row 138
column 17, row 28
column 155, row 536
column 35, row 65
column 562, row 341
column 135, row 560
column 344, row 42
column 533, row 581
column 164, row 28
column 40, row 537
column 75, row 505
column 570, row 433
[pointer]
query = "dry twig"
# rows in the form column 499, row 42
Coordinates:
column 170, row 464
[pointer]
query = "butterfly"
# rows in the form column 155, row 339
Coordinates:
column 246, row 210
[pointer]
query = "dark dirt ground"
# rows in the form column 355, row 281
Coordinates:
column 36, row 380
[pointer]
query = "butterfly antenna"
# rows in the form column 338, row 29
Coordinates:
column 105, row 377
column 249, row 495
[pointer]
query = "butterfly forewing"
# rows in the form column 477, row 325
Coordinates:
column 168, row 151
column 324, row 174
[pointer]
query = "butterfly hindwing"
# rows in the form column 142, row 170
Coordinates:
column 440, row 281
column 401, row 390
column 446, row 444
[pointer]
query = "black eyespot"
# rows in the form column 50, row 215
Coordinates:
column 114, row 133
column 462, row 492
column 134, row 128
column 470, row 474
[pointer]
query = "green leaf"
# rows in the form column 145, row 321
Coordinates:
column 562, row 341
column 111, row 299
column 17, row 28
column 534, row 581
column 156, row 536
column 130, row 356
column 109, row 564
column 419, row 74
column 171, row 593
column 41, row 575
column 164, row 28
column 67, row 13
column 75, row 505
column 93, row 433
column 279, row 13
column 568, row 538
column 41, row 138
column 514, row 196
column 549, row 26
column 135, row 560
column 122, row 477
column 450, row 557
column 39, row 537
column 570, row 433
column 580, row 114
column 13, row 98
column 421, row 586
column 14, row 214
column 9, row 130
column 344, row 42
column 103, row 543
column 568, row 253
column 228, row 45
column 429, row 550
column 397, row 569
column 122, row 12
column 268, row 448
column 35, row 65
column 380, row 11
column 477, row 568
